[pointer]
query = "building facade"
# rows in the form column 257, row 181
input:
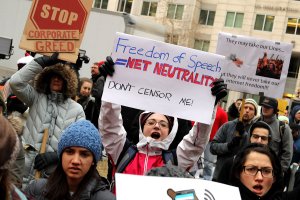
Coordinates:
column 196, row 24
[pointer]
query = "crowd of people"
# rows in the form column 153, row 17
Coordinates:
column 54, row 128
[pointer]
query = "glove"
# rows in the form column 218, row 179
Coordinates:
column 234, row 143
column 45, row 61
column 108, row 67
column 44, row 160
column 240, row 128
column 219, row 89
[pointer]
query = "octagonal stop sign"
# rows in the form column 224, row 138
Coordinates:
column 59, row 15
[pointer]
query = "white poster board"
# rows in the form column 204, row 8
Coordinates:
column 165, row 78
column 135, row 187
column 254, row 65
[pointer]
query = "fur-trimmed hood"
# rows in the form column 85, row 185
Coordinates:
column 42, row 80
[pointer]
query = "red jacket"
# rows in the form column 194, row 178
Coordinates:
column 221, row 118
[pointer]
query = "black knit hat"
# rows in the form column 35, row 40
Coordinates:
column 15, row 104
column 261, row 124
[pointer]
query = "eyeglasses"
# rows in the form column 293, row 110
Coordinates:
column 266, row 172
column 153, row 122
column 264, row 138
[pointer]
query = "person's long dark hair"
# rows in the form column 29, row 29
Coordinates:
column 57, row 186
column 240, row 160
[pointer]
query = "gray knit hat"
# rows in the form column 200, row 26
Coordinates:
column 81, row 134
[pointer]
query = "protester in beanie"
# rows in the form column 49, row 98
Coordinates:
column 75, row 176
column 9, row 148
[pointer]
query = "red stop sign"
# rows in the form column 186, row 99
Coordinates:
column 59, row 14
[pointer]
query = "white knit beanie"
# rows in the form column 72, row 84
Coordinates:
column 253, row 102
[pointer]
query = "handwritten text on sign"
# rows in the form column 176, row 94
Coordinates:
column 161, row 77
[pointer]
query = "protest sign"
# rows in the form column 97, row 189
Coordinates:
column 165, row 78
column 56, row 26
column 254, row 65
column 151, row 187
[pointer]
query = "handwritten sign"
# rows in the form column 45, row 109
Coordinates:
column 158, row 187
column 254, row 65
column 164, row 78
column 56, row 26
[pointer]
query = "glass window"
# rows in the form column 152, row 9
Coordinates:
column 239, row 18
column 234, row 19
column 149, row 8
column 207, row 17
column 264, row 22
column 125, row 6
column 175, row 11
column 202, row 45
column 101, row 4
column 172, row 39
column 293, row 26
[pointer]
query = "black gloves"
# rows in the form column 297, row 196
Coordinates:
column 235, row 142
column 240, row 128
column 45, row 61
column 44, row 160
column 108, row 67
column 219, row 89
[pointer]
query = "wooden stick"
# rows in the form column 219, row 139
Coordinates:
column 42, row 150
column 241, row 112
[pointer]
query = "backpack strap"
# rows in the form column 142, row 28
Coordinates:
column 128, row 156
column 170, row 157
column 281, row 129
column 281, row 133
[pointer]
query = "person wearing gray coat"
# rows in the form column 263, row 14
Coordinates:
column 233, row 135
column 50, row 107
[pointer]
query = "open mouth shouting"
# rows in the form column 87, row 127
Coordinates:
column 258, row 189
column 155, row 135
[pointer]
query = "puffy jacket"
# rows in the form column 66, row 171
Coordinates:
column 96, row 189
column 149, row 150
column 47, row 109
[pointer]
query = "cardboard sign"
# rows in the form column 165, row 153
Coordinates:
column 151, row 187
column 56, row 26
column 254, row 65
column 164, row 78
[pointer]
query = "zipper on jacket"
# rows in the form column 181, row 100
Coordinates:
column 146, row 159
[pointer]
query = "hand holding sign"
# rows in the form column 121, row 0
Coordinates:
column 108, row 67
column 45, row 61
column 219, row 89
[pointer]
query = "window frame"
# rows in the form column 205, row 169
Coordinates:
column 202, row 44
column 234, row 22
column 207, row 17
column 120, row 9
column 149, row 8
column 297, row 26
column 100, row 4
column 175, row 11
column 264, row 22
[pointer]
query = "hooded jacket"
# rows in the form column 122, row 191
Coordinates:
column 47, row 110
column 149, row 150
column 293, row 113
column 17, row 121
column 96, row 189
